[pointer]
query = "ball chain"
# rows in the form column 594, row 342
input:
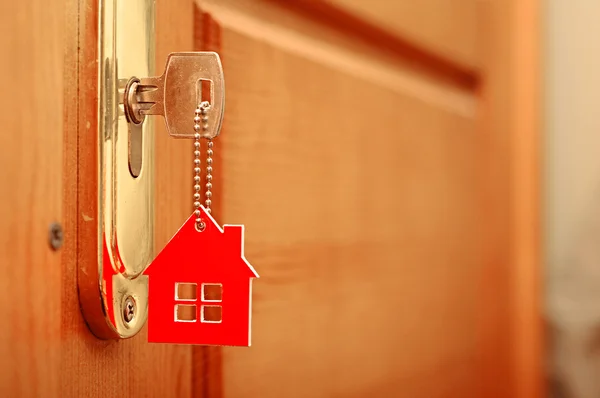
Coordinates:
column 201, row 115
column 209, row 169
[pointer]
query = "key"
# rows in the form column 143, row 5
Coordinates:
column 176, row 94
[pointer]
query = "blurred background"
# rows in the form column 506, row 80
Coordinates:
column 571, row 193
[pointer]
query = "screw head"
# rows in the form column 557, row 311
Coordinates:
column 129, row 309
column 55, row 235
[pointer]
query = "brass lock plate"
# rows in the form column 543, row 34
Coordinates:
column 114, row 293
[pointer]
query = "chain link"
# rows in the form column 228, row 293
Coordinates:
column 209, row 169
column 201, row 115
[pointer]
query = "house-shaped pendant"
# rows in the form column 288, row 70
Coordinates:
column 200, row 287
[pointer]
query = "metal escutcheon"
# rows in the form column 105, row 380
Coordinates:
column 114, row 294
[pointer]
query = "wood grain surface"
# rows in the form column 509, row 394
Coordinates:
column 31, row 179
column 390, row 211
column 360, row 197
column 360, row 226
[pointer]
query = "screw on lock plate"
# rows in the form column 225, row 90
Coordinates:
column 176, row 94
column 129, row 309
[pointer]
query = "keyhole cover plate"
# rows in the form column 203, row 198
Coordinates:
column 125, row 213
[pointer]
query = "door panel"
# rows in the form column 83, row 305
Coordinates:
column 362, row 214
column 375, row 190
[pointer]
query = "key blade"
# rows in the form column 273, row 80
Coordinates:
column 182, row 85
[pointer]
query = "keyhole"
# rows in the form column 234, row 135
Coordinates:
column 135, row 149
column 135, row 122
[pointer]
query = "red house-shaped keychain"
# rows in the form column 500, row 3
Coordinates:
column 200, row 287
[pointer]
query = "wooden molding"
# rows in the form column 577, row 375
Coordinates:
column 359, row 29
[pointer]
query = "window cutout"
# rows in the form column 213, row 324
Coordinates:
column 212, row 314
column 185, row 313
column 212, row 292
column 186, row 291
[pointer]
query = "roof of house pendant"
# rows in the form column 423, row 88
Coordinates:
column 215, row 251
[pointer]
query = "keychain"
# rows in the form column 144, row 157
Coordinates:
column 200, row 284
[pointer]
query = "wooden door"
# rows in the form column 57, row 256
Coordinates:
column 382, row 156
